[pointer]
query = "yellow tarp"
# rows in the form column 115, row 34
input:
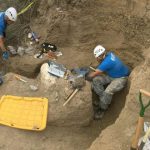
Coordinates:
column 24, row 112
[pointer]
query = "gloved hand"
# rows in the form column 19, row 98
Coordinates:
column 5, row 55
column 88, row 78
column 1, row 81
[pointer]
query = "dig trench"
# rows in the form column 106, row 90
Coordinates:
column 59, row 138
column 72, row 137
column 128, row 49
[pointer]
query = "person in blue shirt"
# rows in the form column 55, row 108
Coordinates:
column 111, row 73
column 6, row 18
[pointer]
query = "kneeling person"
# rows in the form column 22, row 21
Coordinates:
column 111, row 72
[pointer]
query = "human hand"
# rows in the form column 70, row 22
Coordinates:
column 1, row 81
column 88, row 77
column 5, row 55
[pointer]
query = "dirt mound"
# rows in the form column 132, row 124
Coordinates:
column 56, row 90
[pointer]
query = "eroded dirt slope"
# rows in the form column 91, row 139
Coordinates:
column 119, row 135
column 76, row 27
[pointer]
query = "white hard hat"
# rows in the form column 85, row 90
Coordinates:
column 11, row 13
column 98, row 50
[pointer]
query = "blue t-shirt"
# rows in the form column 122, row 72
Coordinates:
column 3, row 24
column 113, row 66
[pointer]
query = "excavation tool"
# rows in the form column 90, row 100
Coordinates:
column 92, row 68
column 77, row 84
column 56, row 69
column 71, row 96
column 140, row 124
column 19, row 78
column 144, row 139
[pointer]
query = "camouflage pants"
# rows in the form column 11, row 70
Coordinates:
column 105, row 94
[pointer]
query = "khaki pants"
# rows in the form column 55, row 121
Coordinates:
column 105, row 94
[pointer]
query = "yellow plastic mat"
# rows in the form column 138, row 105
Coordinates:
column 24, row 112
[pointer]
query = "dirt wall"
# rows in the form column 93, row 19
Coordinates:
column 119, row 135
column 76, row 27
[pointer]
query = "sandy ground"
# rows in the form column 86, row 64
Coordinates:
column 60, row 138
column 118, row 25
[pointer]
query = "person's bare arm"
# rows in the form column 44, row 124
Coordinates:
column 96, row 73
column 2, row 45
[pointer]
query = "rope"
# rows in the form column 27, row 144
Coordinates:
column 26, row 8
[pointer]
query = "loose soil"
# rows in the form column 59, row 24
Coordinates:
column 76, row 28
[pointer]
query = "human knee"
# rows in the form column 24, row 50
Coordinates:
column 106, row 98
column 116, row 86
column 110, row 91
column 97, row 80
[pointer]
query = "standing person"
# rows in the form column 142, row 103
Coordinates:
column 111, row 72
column 6, row 18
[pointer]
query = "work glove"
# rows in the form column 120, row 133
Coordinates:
column 5, row 55
column 1, row 81
column 87, row 77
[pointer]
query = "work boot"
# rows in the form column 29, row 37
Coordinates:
column 99, row 114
